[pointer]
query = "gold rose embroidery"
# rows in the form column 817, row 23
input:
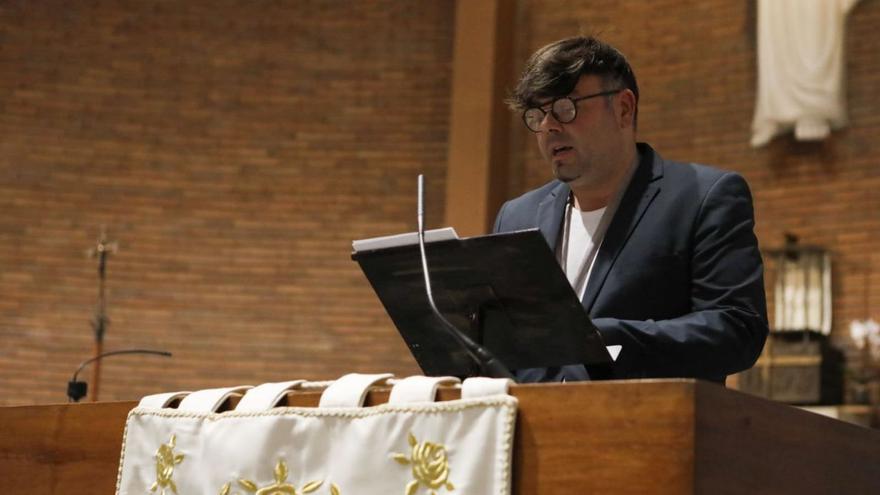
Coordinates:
column 430, row 466
column 280, row 487
column 166, row 459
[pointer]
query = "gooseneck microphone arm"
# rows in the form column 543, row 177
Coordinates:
column 489, row 365
column 76, row 390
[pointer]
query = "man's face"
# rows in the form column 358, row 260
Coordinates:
column 585, row 153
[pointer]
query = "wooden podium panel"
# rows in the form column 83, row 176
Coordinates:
column 61, row 449
column 683, row 437
column 624, row 437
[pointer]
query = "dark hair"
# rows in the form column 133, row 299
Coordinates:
column 555, row 69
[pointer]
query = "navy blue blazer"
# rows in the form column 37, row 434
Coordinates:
column 678, row 279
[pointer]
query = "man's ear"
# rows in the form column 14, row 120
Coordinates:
column 627, row 108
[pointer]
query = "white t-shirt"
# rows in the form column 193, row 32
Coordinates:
column 582, row 244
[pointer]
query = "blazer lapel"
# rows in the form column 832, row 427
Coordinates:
column 642, row 189
column 551, row 212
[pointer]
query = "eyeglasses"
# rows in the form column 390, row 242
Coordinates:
column 564, row 110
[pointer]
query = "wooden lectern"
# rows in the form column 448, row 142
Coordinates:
column 623, row 437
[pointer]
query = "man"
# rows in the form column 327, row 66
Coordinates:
column 662, row 254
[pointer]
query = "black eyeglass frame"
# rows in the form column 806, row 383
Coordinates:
column 573, row 101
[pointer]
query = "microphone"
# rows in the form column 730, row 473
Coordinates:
column 76, row 390
column 489, row 365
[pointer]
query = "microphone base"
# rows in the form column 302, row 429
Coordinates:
column 76, row 390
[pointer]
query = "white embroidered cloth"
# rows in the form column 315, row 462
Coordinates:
column 411, row 447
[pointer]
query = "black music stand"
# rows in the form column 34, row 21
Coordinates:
column 506, row 291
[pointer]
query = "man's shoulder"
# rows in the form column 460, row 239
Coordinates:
column 697, row 170
column 692, row 175
column 693, row 186
column 687, row 170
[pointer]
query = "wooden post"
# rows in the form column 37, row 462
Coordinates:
column 479, row 124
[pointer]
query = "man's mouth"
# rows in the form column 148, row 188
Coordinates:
column 558, row 150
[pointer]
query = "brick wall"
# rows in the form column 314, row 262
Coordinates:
column 233, row 149
column 696, row 64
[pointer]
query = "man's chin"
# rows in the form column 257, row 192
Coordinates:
column 564, row 176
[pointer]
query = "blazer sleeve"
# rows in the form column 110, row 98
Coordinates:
column 726, row 327
column 499, row 223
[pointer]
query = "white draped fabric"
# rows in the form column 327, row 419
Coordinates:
column 411, row 445
column 800, row 69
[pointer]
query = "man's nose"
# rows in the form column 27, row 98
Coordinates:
column 550, row 124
